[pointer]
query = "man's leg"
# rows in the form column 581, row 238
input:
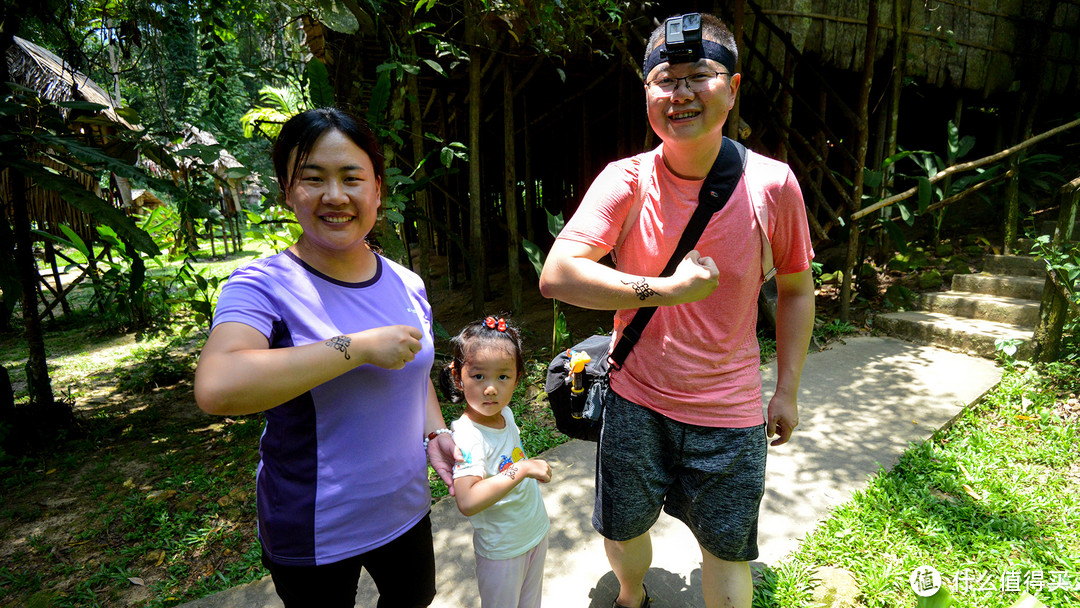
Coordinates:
column 630, row 560
column 725, row 584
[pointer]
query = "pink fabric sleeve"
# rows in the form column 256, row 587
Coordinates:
column 600, row 216
column 791, row 245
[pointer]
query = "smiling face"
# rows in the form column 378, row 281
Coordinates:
column 335, row 195
column 488, row 378
column 686, row 117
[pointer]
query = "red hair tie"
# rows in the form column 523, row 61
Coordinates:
column 493, row 323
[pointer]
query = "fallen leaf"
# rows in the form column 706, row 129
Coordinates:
column 970, row 492
column 136, row 581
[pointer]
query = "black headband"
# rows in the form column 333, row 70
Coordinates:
column 710, row 50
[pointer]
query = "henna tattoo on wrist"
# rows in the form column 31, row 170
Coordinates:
column 511, row 471
column 642, row 289
column 340, row 343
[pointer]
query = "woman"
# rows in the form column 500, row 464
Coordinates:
column 334, row 343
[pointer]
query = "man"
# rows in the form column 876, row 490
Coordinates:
column 683, row 424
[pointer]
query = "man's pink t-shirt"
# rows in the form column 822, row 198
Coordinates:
column 696, row 363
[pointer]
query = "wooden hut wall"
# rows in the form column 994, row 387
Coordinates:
column 976, row 45
column 47, row 208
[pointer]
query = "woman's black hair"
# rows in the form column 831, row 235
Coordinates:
column 479, row 335
column 302, row 131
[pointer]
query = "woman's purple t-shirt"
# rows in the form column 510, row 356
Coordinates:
column 342, row 467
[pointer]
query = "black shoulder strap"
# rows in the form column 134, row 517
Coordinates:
column 724, row 175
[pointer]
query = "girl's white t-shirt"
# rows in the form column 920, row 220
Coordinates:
column 519, row 521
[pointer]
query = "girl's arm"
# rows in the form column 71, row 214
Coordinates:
column 474, row 494
column 238, row 372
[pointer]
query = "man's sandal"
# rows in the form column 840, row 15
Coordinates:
column 644, row 602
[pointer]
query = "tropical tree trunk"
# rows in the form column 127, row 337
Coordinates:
column 530, row 187
column 476, row 241
column 510, row 199
column 37, row 367
column 1054, row 310
column 422, row 198
column 853, row 264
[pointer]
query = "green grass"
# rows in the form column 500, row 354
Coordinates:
column 996, row 495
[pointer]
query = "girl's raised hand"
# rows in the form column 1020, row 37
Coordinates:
column 539, row 470
column 389, row 347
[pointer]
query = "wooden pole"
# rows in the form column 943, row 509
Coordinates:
column 1046, row 342
column 852, row 263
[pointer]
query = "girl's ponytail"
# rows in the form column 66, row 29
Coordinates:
column 448, row 384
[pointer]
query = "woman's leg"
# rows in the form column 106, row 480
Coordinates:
column 331, row 585
column 404, row 569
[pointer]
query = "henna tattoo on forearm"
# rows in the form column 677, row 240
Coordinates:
column 642, row 289
column 510, row 471
column 340, row 343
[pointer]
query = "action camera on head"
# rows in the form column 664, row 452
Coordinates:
column 682, row 39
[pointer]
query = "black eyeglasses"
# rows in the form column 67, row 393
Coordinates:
column 696, row 82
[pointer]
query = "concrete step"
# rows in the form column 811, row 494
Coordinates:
column 1014, row 265
column 1001, row 309
column 973, row 336
column 1027, row 288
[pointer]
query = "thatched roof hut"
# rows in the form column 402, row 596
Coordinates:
column 54, row 79
column 229, row 185
column 37, row 68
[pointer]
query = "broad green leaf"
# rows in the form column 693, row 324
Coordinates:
column 953, row 137
column 431, row 63
column 380, row 96
column 237, row 172
column 129, row 115
column 317, row 79
column 334, row 14
column 81, row 105
column 896, row 236
column 52, row 237
column 871, row 178
column 11, row 109
column 535, row 255
column 966, row 144
column 905, row 214
column 76, row 241
column 900, row 156
column 925, row 193
column 555, row 223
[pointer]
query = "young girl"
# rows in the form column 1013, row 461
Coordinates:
column 496, row 485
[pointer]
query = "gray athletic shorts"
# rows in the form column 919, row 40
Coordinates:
column 710, row 478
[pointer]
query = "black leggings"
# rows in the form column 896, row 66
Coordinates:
column 403, row 571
